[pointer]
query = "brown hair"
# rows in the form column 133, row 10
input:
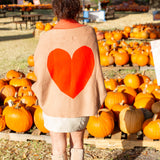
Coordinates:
column 66, row 9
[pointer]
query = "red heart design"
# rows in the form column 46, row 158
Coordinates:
column 71, row 74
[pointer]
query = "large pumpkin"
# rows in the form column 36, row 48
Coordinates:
column 18, row 118
column 39, row 121
column 101, row 125
column 131, row 120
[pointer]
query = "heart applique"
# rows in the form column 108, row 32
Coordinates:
column 71, row 74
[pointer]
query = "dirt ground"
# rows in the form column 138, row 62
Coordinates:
column 17, row 45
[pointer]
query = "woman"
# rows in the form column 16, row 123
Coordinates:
column 70, row 85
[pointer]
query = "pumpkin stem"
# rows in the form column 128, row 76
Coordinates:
column 155, row 116
column 131, row 107
column 16, row 95
column 122, row 103
column 10, row 103
column 103, row 110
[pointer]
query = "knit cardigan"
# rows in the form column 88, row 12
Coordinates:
column 70, row 81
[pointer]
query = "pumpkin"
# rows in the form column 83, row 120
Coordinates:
column 106, row 60
column 153, row 35
column 18, row 118
column 31, row 76
column 156, row 107
column 144, row 95
column 28, row 100
column 117, row 35
column 143, row 78
column 131, row 120
column 147, row 87
column 25, row 91
column 130, row 93
column 117, row 108
column 18, row 82
column 13, row 74
column 145, row 102
column 6, row 91
column 48, row 27
column 156, row 94
column 2, row 123
column 142, row 59
column 151, row 128
column 2, row 83
column 132, row 80
column 102, row 124
column 39, row 121
column 121, row 58
column 10, row 98
column 40, row 25
column 108, row 35
column 114, row 97
column 110, row 84
column 127, row 29
column 31, row 60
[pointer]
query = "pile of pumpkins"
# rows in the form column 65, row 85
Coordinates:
column 122, row 53
column 44, row 27
column 19, row 105
column 137, row 31
column 132, row 102
column 131, row 6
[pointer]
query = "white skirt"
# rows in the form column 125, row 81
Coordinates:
column 58, row 124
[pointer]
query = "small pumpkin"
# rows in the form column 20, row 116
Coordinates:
column 114, row 97
column 132, row 80
column 31, row 60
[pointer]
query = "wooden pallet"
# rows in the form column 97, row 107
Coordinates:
column 116, row 140
column 127, row 66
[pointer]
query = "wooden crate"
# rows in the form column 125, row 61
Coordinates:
column 116, row 140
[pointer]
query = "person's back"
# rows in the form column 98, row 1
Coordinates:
column 70, row 85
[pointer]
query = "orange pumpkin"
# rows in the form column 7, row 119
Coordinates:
column 101, row 125
column 13, row 74
column 151, row 128
column 2, row 123
column 6, row 91
column 31, row 60
column 110, row 84
column 145, row 102
column 121, row 58
column 132, row 80
column 39, row 121
column 48, row 27
column 31, row 76
column 18, row 119
column 40, row 25
column 117, row 108
column 114, row 97
column 106, row 60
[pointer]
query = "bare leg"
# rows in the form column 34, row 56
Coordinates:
column 76, row 139
column 59, row 145
column 76, row 144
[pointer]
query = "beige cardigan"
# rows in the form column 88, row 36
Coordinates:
column 69, row 77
